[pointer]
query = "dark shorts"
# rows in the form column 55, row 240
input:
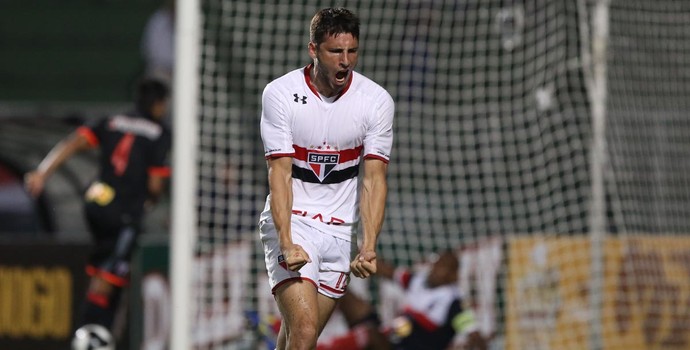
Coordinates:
column 114, row 239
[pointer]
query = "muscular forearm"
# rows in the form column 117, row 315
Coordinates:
column 281, row 204
column 372, row 206
column 280, row 182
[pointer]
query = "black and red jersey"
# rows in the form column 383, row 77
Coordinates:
column 133, row 147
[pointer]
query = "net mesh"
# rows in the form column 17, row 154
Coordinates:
column 491, row 157
column 647, row 116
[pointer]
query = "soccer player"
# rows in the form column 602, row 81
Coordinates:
column 319, row 125
column 431, row 315
column 134, row 149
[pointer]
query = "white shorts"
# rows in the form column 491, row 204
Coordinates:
column 329, row 269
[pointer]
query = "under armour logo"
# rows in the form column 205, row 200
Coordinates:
column 303, row 98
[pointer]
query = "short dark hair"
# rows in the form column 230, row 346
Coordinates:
column 149, row 91
column 333, row 21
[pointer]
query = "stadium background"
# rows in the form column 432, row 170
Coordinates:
column 495, row 126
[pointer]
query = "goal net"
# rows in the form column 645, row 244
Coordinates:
column 546, row 141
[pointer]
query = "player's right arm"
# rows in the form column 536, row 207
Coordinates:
column 159, row 170
column 280, row 183
column 61, row 152
column 276, row 134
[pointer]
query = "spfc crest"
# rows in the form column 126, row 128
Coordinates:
column 322, row 162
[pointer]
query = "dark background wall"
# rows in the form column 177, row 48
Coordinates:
column 70, row 50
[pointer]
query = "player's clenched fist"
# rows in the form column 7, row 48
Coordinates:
column 295, row 257
column 364, row 264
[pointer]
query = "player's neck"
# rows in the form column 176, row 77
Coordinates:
column 321, row 85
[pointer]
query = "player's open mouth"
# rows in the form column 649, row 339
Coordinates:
column 341, row 76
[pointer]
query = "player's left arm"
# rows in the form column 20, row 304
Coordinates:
column 378, row 143
column 372, row 210
column 156, row 187
column 159, row 171
column 76, row 142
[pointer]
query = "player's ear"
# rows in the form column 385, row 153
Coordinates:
column 312, row 49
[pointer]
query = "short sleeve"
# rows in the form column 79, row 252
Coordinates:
column 276, row 132
column 93, row 131
column 379, row 137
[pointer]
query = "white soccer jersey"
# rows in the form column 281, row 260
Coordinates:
column 429, row 305
column 326, row 141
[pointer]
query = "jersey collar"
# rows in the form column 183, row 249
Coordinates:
column 307, row 79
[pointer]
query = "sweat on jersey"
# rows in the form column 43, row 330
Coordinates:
column 327, row 141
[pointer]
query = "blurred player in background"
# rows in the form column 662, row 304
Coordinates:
column 319, row 123
column 158, row 43
column 133, row 166
column 431, row 315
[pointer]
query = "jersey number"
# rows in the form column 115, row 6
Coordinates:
column 120, row 157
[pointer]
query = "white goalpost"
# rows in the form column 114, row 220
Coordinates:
column 597, row 227
column 184, row 179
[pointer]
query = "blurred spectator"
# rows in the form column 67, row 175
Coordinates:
column 158, row 43
column 431, row 316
